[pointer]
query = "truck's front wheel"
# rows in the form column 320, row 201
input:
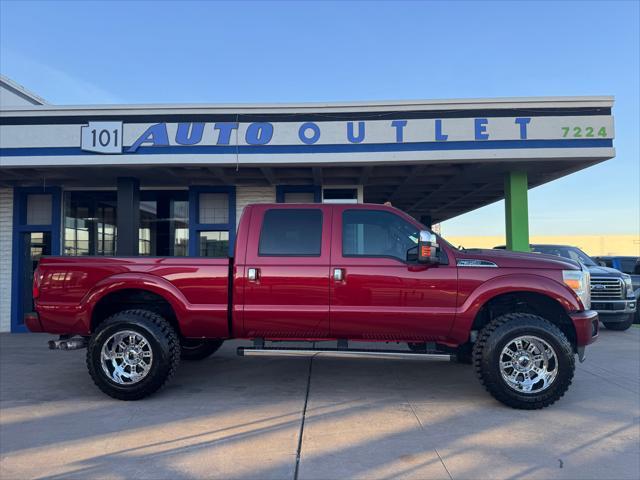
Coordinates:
column 132, row 354
column 524, row 361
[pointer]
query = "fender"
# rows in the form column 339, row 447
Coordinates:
column 510, row 283
column 136, row 281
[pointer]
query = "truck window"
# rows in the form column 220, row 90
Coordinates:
column 376, row 233
column 291, row 233
column 628, row 264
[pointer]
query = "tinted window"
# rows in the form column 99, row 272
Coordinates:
column 376, row 233
column 627, row 264
column 291, row 233
column 571, row 253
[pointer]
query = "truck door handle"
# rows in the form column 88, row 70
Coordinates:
column 338, row 274
column 253, row 274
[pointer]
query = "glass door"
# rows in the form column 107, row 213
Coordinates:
column 36, row 232
column 34, row 245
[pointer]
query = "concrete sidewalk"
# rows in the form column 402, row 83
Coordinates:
column 235, row 417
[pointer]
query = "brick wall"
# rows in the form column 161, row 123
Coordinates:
column 6, row 232
column 246, row 195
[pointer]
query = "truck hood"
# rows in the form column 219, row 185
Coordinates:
column 508, row 259
column 604, row 272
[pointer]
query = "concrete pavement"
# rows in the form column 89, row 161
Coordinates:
column 240, row 417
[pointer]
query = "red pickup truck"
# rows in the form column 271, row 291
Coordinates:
column 320, row 272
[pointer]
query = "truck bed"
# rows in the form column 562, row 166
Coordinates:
column 196, row 288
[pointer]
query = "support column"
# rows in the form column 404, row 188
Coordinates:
column 516, row 211
column 128, row 215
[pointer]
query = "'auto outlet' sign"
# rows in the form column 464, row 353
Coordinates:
column 116, row 137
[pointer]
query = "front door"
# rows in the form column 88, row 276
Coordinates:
column 36, row 232
column 376, row 294
column 286, row 272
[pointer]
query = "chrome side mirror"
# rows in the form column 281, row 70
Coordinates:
column 428, row 247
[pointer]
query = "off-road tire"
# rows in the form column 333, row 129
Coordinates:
column 493, row 338
column 193, row 350
column 619, row 326
column 164, row 344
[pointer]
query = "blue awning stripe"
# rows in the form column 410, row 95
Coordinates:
column 345, row 148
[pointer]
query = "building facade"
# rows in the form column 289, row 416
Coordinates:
column 172, row 180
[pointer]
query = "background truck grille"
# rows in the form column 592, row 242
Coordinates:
column 606, row 288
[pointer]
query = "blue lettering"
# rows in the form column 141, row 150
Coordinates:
column 399, row 125
column 259, row 133
column 189, row 133
column 523, row 122
column 224, row 137
column 302, row 133
column 481, row 129
column 361, row 132
column 155, row 134
column 440, row 137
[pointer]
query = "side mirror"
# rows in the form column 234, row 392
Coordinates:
column 428, row 247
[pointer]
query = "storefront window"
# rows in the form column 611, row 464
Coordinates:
column 213, row 244
column 213, row 208
column 164, row 224
column 38, row 209
column 90, row 223
column 299, row 197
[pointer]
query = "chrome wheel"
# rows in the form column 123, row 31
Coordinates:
column 126, row 357
column 528, row 364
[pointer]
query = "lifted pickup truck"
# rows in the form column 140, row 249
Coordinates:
column 324, row 273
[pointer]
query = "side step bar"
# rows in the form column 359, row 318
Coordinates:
column 335, row 353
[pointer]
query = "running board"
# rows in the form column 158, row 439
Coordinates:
column 335, row 353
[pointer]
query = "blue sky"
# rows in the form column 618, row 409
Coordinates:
column 201, row 52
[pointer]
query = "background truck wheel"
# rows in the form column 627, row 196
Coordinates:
column 197, row 349
column 524, row 361
column 132, row 354
column 620, row 326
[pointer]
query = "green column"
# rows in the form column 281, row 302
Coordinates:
column 516, row 211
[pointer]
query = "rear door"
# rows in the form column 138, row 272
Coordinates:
column 286, row 272
column 376, row 294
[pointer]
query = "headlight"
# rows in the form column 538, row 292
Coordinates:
column 628, row 286
column 580, row 282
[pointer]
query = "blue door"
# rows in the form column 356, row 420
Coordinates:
column 36, row 232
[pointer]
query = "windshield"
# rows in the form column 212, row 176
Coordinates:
column 572, row 253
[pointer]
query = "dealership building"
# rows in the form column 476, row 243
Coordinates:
column 172, row 180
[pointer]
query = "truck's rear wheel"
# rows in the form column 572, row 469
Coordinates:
column 524, row 361
column 132, row 354
column 199, row 349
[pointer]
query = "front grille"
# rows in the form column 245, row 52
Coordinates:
column 606, row 288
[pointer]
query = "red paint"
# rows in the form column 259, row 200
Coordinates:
column 298, row 298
